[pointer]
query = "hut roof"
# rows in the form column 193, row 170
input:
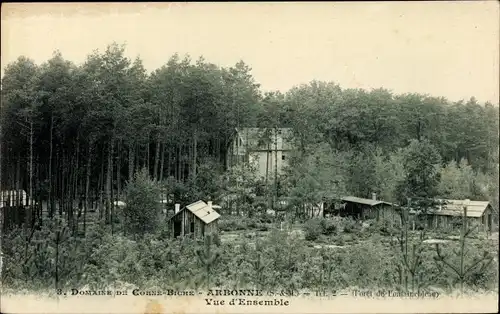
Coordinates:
column 456, row 208
column 364, row 201
column 201, row 210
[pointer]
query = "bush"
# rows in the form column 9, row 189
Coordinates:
column 351, row 226
column 266, row 218
column 237, row 223
column 231, row 225
column 313, row 228
column 339, row 241
column 329, row 227
column 386, row 228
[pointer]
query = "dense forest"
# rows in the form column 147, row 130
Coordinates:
column 75, row 137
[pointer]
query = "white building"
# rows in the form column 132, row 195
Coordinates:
column 268, row 149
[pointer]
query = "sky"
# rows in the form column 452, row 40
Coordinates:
column 445, row 49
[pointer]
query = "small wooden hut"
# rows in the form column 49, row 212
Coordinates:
column 365, row 208
column 196, row 219
column 450, row 212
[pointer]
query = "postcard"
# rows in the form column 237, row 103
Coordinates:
column 300, row 157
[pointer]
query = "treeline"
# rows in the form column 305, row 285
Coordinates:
column 73, row 135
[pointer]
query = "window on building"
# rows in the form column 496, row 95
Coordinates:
column 282, row 157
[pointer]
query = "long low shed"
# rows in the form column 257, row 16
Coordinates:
column 365, row 208
column 479, row 212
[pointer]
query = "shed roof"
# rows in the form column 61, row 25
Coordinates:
column 201, row 210
column 364, row 201
column 456, row 208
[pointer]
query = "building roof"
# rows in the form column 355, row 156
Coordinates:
column 255, row 138
column 456, row 208
column 364, row 201
column 201, row 210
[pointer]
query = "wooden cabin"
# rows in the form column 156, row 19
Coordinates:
column 364, row 208
column 450, row 214
column 196, row 219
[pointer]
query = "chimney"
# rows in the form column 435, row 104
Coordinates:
column 209, row 203
column 374, row 196
column 177, row 208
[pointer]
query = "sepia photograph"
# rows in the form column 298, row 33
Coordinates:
column 274, row 157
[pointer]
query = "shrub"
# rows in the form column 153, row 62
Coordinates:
column 386, row 228
column 313, row 229
column 351, row 226
column 266, row 218
column 232, row 224
column 329, row 227
column 339, row 241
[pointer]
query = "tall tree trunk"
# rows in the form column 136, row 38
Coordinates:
column 275, row 165
column 147, row 157
column 217, row 149
column 69, row 194
column 419, row 130
column 138, row 156
column 112, row 203
column 87, row 187
column 29, row 199
column 195, row 152
column 108, row 181
column 17, row 192
column 267, row 162
column 68, row 186
column 157, row 158
column 1, row 165
column 50, row 203
column 18, row 180
column 101, row 188
column 131, row 156
column 57, row 260
column 237, row 139
column 61, row 183
column 76, row 191
column 179, row 151
column 162, row 162
column 38, row 191
column 118, row 170
column 169, row 161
